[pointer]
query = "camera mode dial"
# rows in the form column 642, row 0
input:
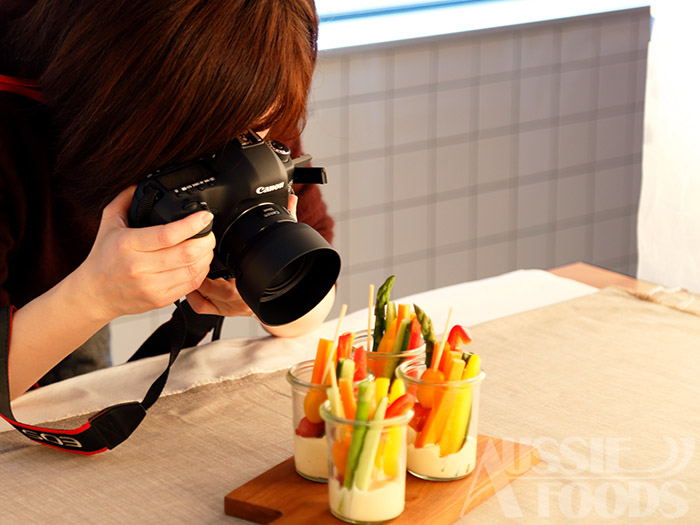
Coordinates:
column 283, row 152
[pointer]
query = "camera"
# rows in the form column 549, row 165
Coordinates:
column 283, row 268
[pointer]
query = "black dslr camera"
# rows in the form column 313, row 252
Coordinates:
column 283, row 268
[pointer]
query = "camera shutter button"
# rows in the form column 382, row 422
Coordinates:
column 195, row 206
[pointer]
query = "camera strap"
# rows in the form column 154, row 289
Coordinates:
column 21, row 86
column 113, row 425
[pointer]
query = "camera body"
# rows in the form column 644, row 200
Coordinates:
column 282, row 268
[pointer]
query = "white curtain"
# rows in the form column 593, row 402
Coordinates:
column 669, row 213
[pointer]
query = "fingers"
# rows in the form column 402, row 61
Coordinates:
column 154, row 238
column 219, row 297
column 118, row 209
column 292, row 206
column 201, row 304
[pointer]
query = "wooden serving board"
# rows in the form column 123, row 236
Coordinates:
column 282, row 496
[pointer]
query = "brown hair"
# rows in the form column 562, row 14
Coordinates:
column 134, row 85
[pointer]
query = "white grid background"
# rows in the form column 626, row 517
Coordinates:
column 456, row 158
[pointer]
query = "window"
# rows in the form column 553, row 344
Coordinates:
column 338, row 9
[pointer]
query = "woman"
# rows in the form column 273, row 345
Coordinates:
column 127, row 87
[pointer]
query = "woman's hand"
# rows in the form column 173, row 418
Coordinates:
column 220, row 296
column 133, row 270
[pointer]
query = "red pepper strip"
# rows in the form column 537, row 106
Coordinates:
column 345, row 345
column 415, row 340
column 360, row 358
column 400, row 406
column 458, row 336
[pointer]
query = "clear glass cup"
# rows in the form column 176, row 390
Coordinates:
column 310, row 455
column 447, row 451
column 376, row 491
column 383, row 364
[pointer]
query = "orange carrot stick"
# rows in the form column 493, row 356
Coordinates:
column 347, row 397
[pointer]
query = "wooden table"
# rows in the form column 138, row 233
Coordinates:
column 601, row 277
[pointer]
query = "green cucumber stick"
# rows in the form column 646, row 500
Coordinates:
column 365, row 463
column 365, row 394
column 401, row 335
column 333, row 400
column 406, row 336
column 383, row 294
column 347, row 369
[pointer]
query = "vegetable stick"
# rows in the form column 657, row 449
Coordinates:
column 380, row 316
column 369, row 316
column 387, row 341
column 364, row 395
column 390, row 448
column 381, row 388
column 347, row 397
column 347, row 369
column 365, row 462
column 426, row 327
column 454, row 435
column 473, row 367
column 442, row 408
column 398, row 388
column 330, row 369
column 320, row 361
column 438, row 354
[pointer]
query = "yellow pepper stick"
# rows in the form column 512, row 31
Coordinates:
column 390, row 454
column 434, row 425
column 473, row 367
column 398, row 388
column 453, row 436
column 387, row 458
column 381, row 388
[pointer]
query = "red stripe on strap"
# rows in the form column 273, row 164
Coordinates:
column 21, row 86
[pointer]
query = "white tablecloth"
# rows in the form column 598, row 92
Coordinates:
column 473, row 302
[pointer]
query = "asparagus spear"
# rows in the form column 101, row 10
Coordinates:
column 383, row 294
column 426, row 326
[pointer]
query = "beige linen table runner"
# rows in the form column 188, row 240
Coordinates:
column 606, row 386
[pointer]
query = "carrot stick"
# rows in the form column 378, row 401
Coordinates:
column 319, row 362
column 370, row 310
column 442, row 408
column 347, row 397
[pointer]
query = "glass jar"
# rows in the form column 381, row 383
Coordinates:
column 309, row 442
column 384, row 364
column 442, row 438
column 374, row 489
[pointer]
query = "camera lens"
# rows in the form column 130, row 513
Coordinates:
column 283, row 269
column 288, row 278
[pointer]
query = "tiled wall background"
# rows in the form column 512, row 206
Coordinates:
column 462, row 157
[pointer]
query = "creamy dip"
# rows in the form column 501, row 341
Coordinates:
column 426, row 461
column 311, row 456
column 383, row 502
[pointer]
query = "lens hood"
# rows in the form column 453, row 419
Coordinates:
column 286, row 271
